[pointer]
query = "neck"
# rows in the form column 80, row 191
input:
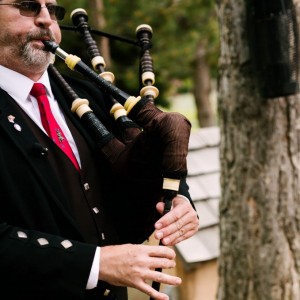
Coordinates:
column 33, row 74
column 32, row 71
column 32, row 65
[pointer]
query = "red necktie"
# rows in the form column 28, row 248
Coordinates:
column 49, row 123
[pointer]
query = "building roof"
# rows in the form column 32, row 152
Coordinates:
column 204, row 182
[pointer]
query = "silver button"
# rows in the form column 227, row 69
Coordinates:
column 22, row 235
column 103, row 236
column 106, row 293
column 86, row 186
column 42, row 241
column 96, row 210
column 66, row 244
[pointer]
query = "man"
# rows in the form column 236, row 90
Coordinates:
column 58, row 237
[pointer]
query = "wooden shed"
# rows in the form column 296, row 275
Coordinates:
column 197, row 256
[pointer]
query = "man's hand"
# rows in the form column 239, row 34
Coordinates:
column 178, row 224
column 134, row 266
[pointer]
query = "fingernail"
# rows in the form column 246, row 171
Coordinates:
column 166, row 241
column 159, row 235
column 158, row 225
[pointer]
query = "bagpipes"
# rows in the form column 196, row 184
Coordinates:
column 149, row 160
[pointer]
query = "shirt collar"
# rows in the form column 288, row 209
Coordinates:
column 19, row 86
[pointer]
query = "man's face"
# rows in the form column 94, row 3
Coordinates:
column 21, row 36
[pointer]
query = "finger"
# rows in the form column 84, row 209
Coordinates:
column 161, row 264
column 147, row 289
column 165, row 278
column 174, row 215
column 160, row 207
column 189, row 220
column 161, row 252
column 181, row 233
column 177, row 237
column 151, row 292
column 168, row 219
column 162, row 277
column 170, row 229
column 157, row 277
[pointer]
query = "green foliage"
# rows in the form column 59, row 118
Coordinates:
column 178, row 26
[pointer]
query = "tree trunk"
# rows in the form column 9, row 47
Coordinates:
column 98, row 19
column 260, row 156
column 205, row 113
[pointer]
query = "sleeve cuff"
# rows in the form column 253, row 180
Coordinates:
column 94, row 274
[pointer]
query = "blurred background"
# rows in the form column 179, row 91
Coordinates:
column 185, row 49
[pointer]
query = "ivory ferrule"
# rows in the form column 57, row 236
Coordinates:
column 71, row 61
column 131, row 102
column 171, row 184
column 118, row 111
column 149, row 91
column 98, row 60
column 80, row 107
column 148, row 76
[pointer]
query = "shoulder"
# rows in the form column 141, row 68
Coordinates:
column 83, row 85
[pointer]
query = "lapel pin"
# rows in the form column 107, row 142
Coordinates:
column 17, row 127
column 11, row 119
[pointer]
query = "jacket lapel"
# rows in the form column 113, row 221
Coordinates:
column 15, row 127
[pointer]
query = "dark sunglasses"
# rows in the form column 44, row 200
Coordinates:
column 32, row 9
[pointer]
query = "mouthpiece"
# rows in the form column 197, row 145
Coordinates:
column 50, row 46
column 54, row 48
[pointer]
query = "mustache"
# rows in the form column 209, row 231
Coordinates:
column 41, row 34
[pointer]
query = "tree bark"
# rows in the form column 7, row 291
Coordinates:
column 260, row 159
column 202, row 79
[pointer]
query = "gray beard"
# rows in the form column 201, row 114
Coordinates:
column 35, row 57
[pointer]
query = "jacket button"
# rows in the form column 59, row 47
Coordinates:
column 96, row 210
column 66, row 244
column 22, row 235
column 43, row 242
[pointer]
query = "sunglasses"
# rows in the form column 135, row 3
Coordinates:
column 32, row 9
